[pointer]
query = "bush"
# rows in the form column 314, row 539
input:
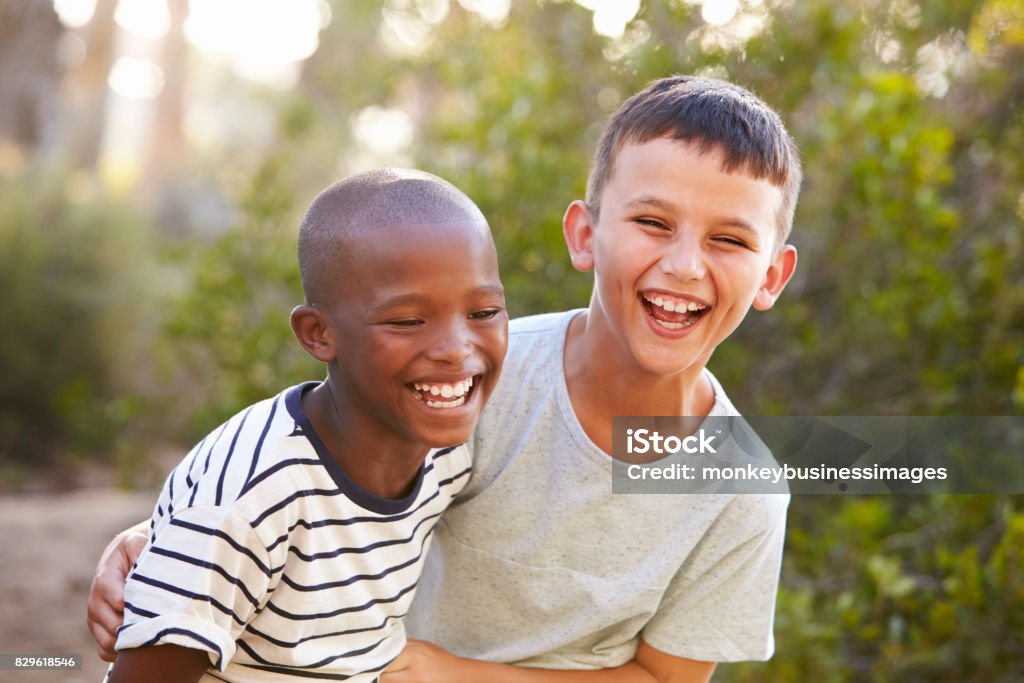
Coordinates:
column 229, row 330
column 71, row 277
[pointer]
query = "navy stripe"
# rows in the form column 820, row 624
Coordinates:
column 193, row 460
column 353, row 579
column 361, row 550
column 208, row 565
column 442, row 452
column 206, row 463
column 189, row 594
column 298, row 673
column 191, row 634
column 170, row 491
column 444, row 482
column 137, row 610
column 315, row 665
column 259, row 446
column 344, row 610
column 349, row 520
column 331, row 492
column 316, row 636
column 253, row 483
column 227, row 458
column 220, row 534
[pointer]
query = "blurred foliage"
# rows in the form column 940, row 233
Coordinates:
column 230, row 327
column 899, row 589
column 73, row 301
column 909, row 296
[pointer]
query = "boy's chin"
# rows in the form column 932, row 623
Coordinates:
column 669, row 362
column 445, row 437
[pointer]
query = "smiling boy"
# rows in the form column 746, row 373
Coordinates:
column 288, row 544
column 538, row 573
column 689, row 204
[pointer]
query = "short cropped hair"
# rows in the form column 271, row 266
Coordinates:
column 710, row 114
column 369, row 201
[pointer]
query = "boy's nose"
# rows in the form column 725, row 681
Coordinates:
column 684, row 259
column 452, row 344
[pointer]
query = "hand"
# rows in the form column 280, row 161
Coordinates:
column 106, row 595
column 423, row 662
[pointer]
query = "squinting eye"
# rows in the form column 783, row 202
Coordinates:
column 404, row 323
column 651, row 223
column 731, row 240
column 484, row 315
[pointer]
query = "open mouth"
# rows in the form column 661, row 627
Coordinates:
column 444, row 395
column 673, row 313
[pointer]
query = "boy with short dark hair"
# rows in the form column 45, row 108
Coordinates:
column 690, row 200
column 537, row 563
column 289, row 542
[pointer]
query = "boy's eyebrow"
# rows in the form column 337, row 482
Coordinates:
column 649, row 201
column 419, row 298
column 734, row 222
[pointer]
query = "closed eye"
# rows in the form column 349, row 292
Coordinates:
column 732, row 240
column 485, row 314
column 651, row 223
column 411, row 322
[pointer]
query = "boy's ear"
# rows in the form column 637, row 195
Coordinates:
column 578, row 229
column 779, row 272
column 312, row 330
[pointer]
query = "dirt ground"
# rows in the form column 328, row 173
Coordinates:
column 50, row 543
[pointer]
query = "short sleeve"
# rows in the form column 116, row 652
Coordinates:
column 199, row 581
column 720, row 606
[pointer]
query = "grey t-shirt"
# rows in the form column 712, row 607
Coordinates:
column 538, row 563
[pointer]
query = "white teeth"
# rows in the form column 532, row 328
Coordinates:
column 457, row 391
column 674, row 306
column 447, row 404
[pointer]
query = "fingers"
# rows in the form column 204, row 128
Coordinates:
column 105, row 606
column 106, row 611
column 130, row 547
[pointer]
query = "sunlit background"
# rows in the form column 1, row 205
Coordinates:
column 156, row 157
column 266, row 41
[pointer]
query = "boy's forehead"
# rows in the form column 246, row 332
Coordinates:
column 402, row 240
column 371, row 233
column 663, row 155
column 379, row 258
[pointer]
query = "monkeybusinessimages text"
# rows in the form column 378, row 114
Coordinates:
column 644, row 441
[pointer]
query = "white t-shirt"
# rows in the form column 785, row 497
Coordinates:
column 264, row 553
column 538, row 563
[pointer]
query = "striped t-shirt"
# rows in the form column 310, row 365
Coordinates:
column 264, row 553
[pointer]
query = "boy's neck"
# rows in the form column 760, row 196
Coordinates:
column 381, row 463
column 603, row 385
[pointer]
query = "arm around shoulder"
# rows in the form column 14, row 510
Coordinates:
column 423, row 662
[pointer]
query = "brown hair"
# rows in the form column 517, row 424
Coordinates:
column 710, row 114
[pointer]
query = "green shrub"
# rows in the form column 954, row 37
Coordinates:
column 229, row 331
column 71, row 282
